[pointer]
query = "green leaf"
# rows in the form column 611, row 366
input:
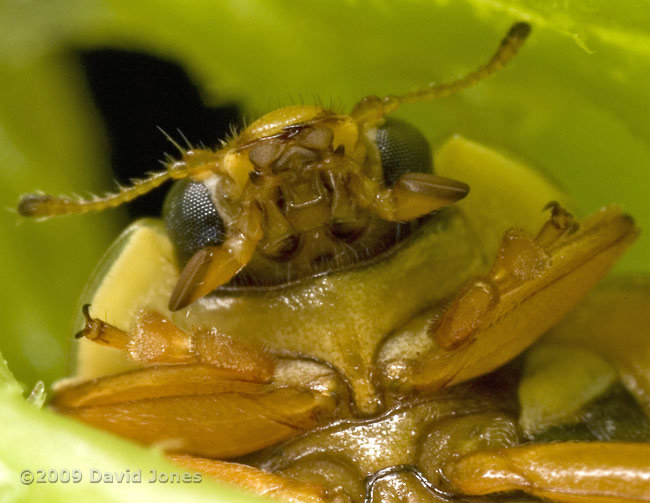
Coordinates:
column 39, row 445
column 575, row 103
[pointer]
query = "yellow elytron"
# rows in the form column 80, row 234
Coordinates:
column 318, row 288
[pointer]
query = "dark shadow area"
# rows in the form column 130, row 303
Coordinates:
column 136, row 95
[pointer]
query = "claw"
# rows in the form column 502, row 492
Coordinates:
column 561, row 222
column 101, row 332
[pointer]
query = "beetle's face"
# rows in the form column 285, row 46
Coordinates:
column 300, row 192
column 297, row 181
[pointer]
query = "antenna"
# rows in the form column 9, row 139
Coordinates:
column 373, row 107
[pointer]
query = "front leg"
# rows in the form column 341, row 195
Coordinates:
column 532, row 285
column 154, row 339
column 200, row 393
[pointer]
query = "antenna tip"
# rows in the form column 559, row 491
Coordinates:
column 33, row 205
column 520, row 30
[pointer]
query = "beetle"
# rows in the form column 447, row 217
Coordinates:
column 324, row 306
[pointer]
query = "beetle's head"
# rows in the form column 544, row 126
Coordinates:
column 299, row 192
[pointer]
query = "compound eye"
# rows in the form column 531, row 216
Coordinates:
column 403, row 149
column 191, row 219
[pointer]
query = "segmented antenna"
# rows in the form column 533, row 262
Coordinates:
column 44, row 205
column 373, row 107
column 370, row 108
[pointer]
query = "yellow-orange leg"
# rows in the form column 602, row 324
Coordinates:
column 255, row 480
column 205, row 394
column 533, row 284
column 570, row 472
column 155, row 339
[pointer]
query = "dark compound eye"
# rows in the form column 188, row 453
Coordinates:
column 191, row 218
column 403, row 149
